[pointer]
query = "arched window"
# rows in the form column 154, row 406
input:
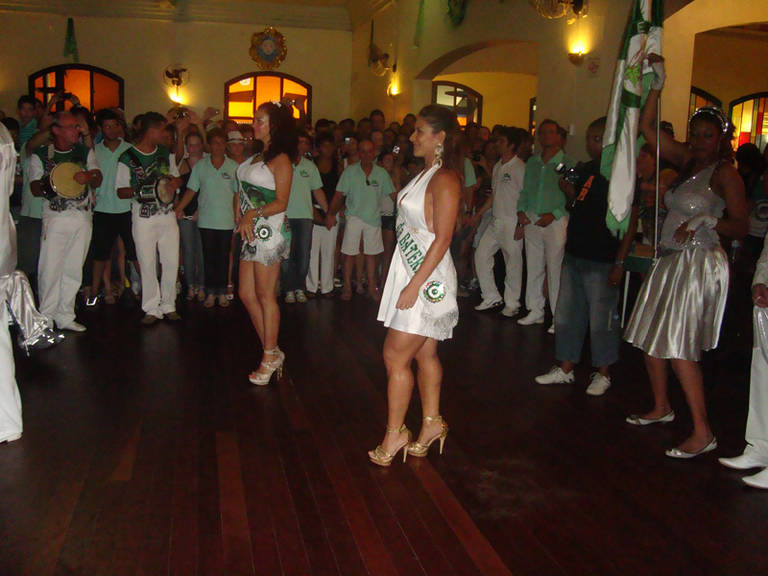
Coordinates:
column 244, row 94
column 467, row 103
column 94, row 87
column 749, row 118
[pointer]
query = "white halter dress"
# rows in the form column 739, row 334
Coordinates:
column 436, row 311
column 271, row 235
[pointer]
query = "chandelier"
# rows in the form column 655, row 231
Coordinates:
column 559, row 8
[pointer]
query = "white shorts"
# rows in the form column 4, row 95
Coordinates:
column 354, row 229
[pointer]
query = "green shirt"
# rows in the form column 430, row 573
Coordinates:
column 306, row 178
column 363, row 194
column 541, row 193
column 152, row 165
column 470, row 178
column 216, row 189
column 106, row 195
column 40, row 166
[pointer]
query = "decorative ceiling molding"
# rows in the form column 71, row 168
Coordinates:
column 328, row 15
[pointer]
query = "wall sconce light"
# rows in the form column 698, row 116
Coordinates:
column 393, row 89
column 577, row 58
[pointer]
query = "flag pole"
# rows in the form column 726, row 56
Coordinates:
column 658, row 169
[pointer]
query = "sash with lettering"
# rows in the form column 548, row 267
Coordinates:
column 268, row 241
column 438, row 309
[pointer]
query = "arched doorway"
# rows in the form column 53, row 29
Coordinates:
column 503, row 72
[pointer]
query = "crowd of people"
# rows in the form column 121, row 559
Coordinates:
column 409, row 213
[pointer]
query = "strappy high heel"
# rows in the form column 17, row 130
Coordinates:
column 381, row 457
column 275, row 365
column 420, row 449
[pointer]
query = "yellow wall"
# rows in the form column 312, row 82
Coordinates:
column 680, row 31
column 714, row 68
column 139, row 51
column 506, row 97
column 565, row 92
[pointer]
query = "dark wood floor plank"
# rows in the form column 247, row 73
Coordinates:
column 234, row 520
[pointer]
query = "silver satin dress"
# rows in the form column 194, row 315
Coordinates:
column 681, row 303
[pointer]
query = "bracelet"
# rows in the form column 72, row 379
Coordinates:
column 259, row 212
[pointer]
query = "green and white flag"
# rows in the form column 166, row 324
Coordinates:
column 630, row 88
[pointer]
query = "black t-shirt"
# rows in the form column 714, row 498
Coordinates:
column 588, row 236
column 330, row 179
column 191, row 208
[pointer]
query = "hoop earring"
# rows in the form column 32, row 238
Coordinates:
column 438, row 155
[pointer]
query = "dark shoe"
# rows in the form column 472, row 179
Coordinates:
column 173, row 316
column 149, row 319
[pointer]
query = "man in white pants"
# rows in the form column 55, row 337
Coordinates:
column 154, row 226
column 542, row 220
column 756, row 452
column 506, row 184
column 66, row 222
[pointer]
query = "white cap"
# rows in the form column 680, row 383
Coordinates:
column 235, row 136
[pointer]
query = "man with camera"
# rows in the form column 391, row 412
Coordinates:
column 592, row 270
column 66, row 217
column 542, row 220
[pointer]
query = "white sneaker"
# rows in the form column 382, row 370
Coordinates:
column 555, row 376
column 290, row 298
column 486, row 305
column 551, row 329
column 531, row 318
column 759, row 480
column 598, row 384
column 301, row 298
column 750, row 458
column 510, row 311
column 74, row 327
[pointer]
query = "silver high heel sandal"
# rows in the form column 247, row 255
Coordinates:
column 275, row 365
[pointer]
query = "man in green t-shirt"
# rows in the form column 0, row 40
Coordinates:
column 305, row 185
column 360, row 189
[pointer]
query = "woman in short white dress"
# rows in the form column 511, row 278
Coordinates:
column 418, row 304
column 264, row 189
column 681, row 302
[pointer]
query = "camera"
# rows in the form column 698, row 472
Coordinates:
column 571, row 175
column 395, row 150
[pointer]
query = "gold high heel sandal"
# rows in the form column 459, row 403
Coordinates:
column 381, row 457
column 272, row 366
column 419, row 449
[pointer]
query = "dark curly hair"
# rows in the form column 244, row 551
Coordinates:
column 442, row 119
column 283, row 138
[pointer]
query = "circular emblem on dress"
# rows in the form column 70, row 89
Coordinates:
column 434, row 291
column 263, row 232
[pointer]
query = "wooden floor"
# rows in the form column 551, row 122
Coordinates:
column 146, row 451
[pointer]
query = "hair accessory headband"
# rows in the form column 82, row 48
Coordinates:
column 716, row 113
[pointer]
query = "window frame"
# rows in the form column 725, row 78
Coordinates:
column 471, row 91
column 741, row 100
column 256, row 75
column 60, row 69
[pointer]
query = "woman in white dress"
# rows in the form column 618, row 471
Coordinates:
column 264, row 188
column 418, row 303
column 681, row 302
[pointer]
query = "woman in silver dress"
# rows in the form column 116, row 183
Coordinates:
column 418, row 303
column 681, row 302
column 264, row 188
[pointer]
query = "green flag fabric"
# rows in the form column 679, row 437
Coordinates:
column 70, row 42
column 630, row 89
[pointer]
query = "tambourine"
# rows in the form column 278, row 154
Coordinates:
column 61, row 182
column 159, row 192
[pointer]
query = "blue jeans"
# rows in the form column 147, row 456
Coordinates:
column 587, row 300
column 192, row 254
column 296, row 267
